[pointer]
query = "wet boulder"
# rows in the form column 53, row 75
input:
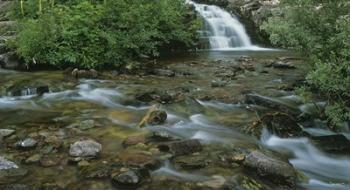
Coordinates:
column 10, row 172
column 33, row 159
column 95, row 171
column 26, row 91
column 179, row 148
column 163, row 72
column 161, row 136
column 140, row 161
column 76, row 73
column 271, row 167
column 336, row 143
column 280, row 124
column 160, row 97
column 6, row 164
column 49, row 161
column 27, row 143
column 191, row 162
column 6, row 132
column 154, row 116
column 10, row 60
column 134, row 140
column 85, row 148
column 131, row 178
column 218, row 83
column 272, row 103
column 282, row 65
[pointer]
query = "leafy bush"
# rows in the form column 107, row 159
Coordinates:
column 92, row 34
column 320, row 30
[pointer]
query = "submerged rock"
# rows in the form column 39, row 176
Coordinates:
column 282, row 65
column 163, row 72
column 6, row 132
column 218, row 83
column 178, row 148
column 12, row 175
column 16, row 187
column 154, row 116
column 140, row 161
column 27, row 143
column 272, row 103
column 216, row 182
column 272, row 168
column 76, row 73
column 130, row 178
column 160, row 97
column 10, row 60
column 6, row 164
column 134, row 140
column 48, row 161
column 280, row 124
column 33, row 159
column 162, row 136
column 26, row 91
column 191, row 162
column 95, row 171
column 337, row 143
column 85, row 148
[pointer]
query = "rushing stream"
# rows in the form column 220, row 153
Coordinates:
column 43, row 113
column 111, row 104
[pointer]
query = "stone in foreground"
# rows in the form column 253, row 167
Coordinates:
column 179, row 148
column 6, row 164
column 272, row 168
column 85, row 148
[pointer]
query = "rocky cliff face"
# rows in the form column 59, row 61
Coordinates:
column 252, row 13
column 8, row 28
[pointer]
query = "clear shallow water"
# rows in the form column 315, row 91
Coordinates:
column 112, row 104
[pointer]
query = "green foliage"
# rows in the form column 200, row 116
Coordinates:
column 320, row 30
column 92, row 34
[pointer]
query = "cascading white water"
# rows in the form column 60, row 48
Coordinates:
column 223, row 30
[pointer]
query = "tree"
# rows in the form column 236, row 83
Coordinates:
column 319, row 30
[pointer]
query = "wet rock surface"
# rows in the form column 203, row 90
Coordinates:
column 130, row 178
column 280, row 124
column 6, row 164
column 27, row 143
column 271, row 167
column 184, row 147
column 337, row 143
column 6, row 132
column 272, row 103
column 85, row 148
column 109, row 109
column 154, row 116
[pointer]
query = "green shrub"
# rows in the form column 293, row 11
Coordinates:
column 319, row 30
column 95, row 34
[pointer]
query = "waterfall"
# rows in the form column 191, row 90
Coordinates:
column 221, row 29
